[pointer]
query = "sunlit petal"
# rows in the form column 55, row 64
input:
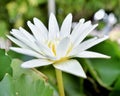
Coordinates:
column 36, row 63
column 23, row 38
column 28, row 35
column 66, row 26
column 72, row 67
column 19, row 43
column 81, row 47
column 77, row 30
column 53, row 27
column 27, row 52
column 89, row 54
column 45, row 49
column 84, row 33
column 87, row 44
column 36, row 32
column 17, row 34
column 42, row 29
column 63, row 47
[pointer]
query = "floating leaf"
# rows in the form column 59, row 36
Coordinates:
column 6, row 86
column 25, row 82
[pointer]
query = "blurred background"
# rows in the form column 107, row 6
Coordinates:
column 103, row 75
column 15, row 13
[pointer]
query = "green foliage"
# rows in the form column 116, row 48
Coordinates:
column 6, row 86
column 5, row 62
column 86, row 8
column 73, row 85
column 116, row 90
column 102, row 73
column 107, row 70
column 15, row 13
column 24, row 82
column 3, row 28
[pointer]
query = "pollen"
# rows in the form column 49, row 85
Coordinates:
column 52, row 46
column 69, row 49
column 61, row 60
column 54, row 49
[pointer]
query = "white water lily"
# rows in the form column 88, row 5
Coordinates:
column 56, row 46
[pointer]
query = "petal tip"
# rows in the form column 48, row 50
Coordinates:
column 96, row 24
column 7, row 36
column 28, row 22
column 82, row 20
column 25, row 66
column 35, row 19
column 108, row 57
column 52, row 14
column 70, row 15
column 20, row 28
column 83, row 75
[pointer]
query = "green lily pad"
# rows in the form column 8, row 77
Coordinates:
column 6, row 86
column 24, row 82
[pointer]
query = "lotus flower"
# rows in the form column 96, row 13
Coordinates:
column 56, row 46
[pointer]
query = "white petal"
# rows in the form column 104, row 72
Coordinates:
column 66, row 26
column 23, row 38
column 82, row 20
column 27, row 34
column 72, row 67
column 41, row 26
column 77, row 30
column 36, row 63
column 19, row 43
column 86, row 30
column 18, row 34
column 89, row 54
column 42, row 29
column 46, row 50
column 63, row 47
column 36, row 32
column 53, row 27
column 27, row 52
column 88, row 44
column 81, row 47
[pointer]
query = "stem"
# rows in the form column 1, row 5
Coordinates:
column 41, row 74
column 81, row 86
column 60, row 82
column 51, row 6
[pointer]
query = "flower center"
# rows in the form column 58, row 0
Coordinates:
column 53, row 46
column 61, row 60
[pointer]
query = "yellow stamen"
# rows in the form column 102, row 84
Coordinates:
column 69, row 49
column 54, row 49
column 61, row 60
column 52, row 46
